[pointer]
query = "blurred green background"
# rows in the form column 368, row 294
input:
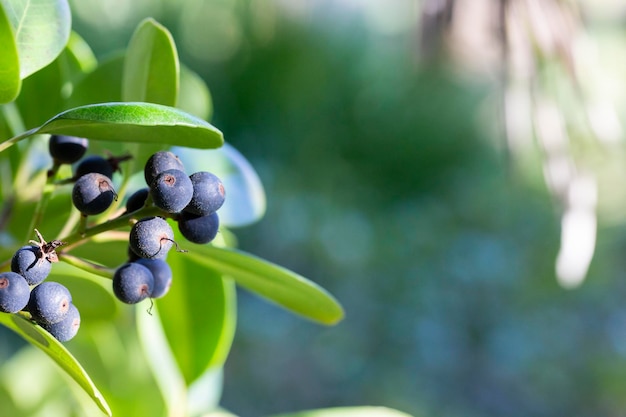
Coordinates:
column 404, row 153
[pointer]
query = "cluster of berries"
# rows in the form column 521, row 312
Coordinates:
column 191, row 200
column 49, row 303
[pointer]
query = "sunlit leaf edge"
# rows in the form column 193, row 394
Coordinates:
column 37, row 336
column 270, row 281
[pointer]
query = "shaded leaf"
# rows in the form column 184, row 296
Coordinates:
column 198, row 316
column 92, row 294
column 42, row 29
column 273, row 282
column 40, row 98
column 151, row 66
column 194, row 96
column 38, row 337
column 102, row 85
column 9, row 62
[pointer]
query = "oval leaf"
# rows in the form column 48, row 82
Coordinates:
column 245, row 197
column 198, row 316
column 135, row 122
column 9, row 63
column 37, row 336
column 151, row 69
column 42, row 29
column 273, row 282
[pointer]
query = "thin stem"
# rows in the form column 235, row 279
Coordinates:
column 117, row 223
column 10, row 142
column 85, row 265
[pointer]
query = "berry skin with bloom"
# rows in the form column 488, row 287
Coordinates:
column 14, row 292
column 93, row 193
column 151, row 237
column 132, row 283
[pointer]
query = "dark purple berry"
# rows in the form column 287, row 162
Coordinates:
column 162, row 274
column 93, row 193
column 94, row 163
column 159, row 162
column 67, row 149
column 14, row 292
column 171, row 190
column 49, row 302
column 208, row 193
column 67, row 328
column 31, row 263
column 198, row 229
column 151, row 237
column 132, row 282
column 137, row 200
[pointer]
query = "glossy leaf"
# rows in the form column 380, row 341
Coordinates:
column 9, row 62
column 37, row 336
column 273, row 282
column 42, row 29
column 198, row 316
column 151, row 69
column 135, row 122
column 348, row 412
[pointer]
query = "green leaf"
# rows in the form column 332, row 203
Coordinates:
column 38, row 337
column 348, row 412
column 40, row 98
column 102, row 85
column 194, row 96
column 273, row 282
column 92, row 294
column 151, row 66
column 198, row 316
column 135, row 122
column 130, row 122
column 81, row 58
column 42, row 29
column 9, row 62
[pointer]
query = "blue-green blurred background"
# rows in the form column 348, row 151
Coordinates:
column 380, row 140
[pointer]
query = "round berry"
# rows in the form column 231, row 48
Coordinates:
column 67, row 328
column 208, row 193
column 94, row 163
column 162, row 274
column 198, row 229
column 159, row 162
column 137, row 200
column 151, row 237
column 67, row 149
column 171, row 190
column 132, row 283
column 93, row 193
column 49, row 302
column 31, row 263
column 14, row 292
